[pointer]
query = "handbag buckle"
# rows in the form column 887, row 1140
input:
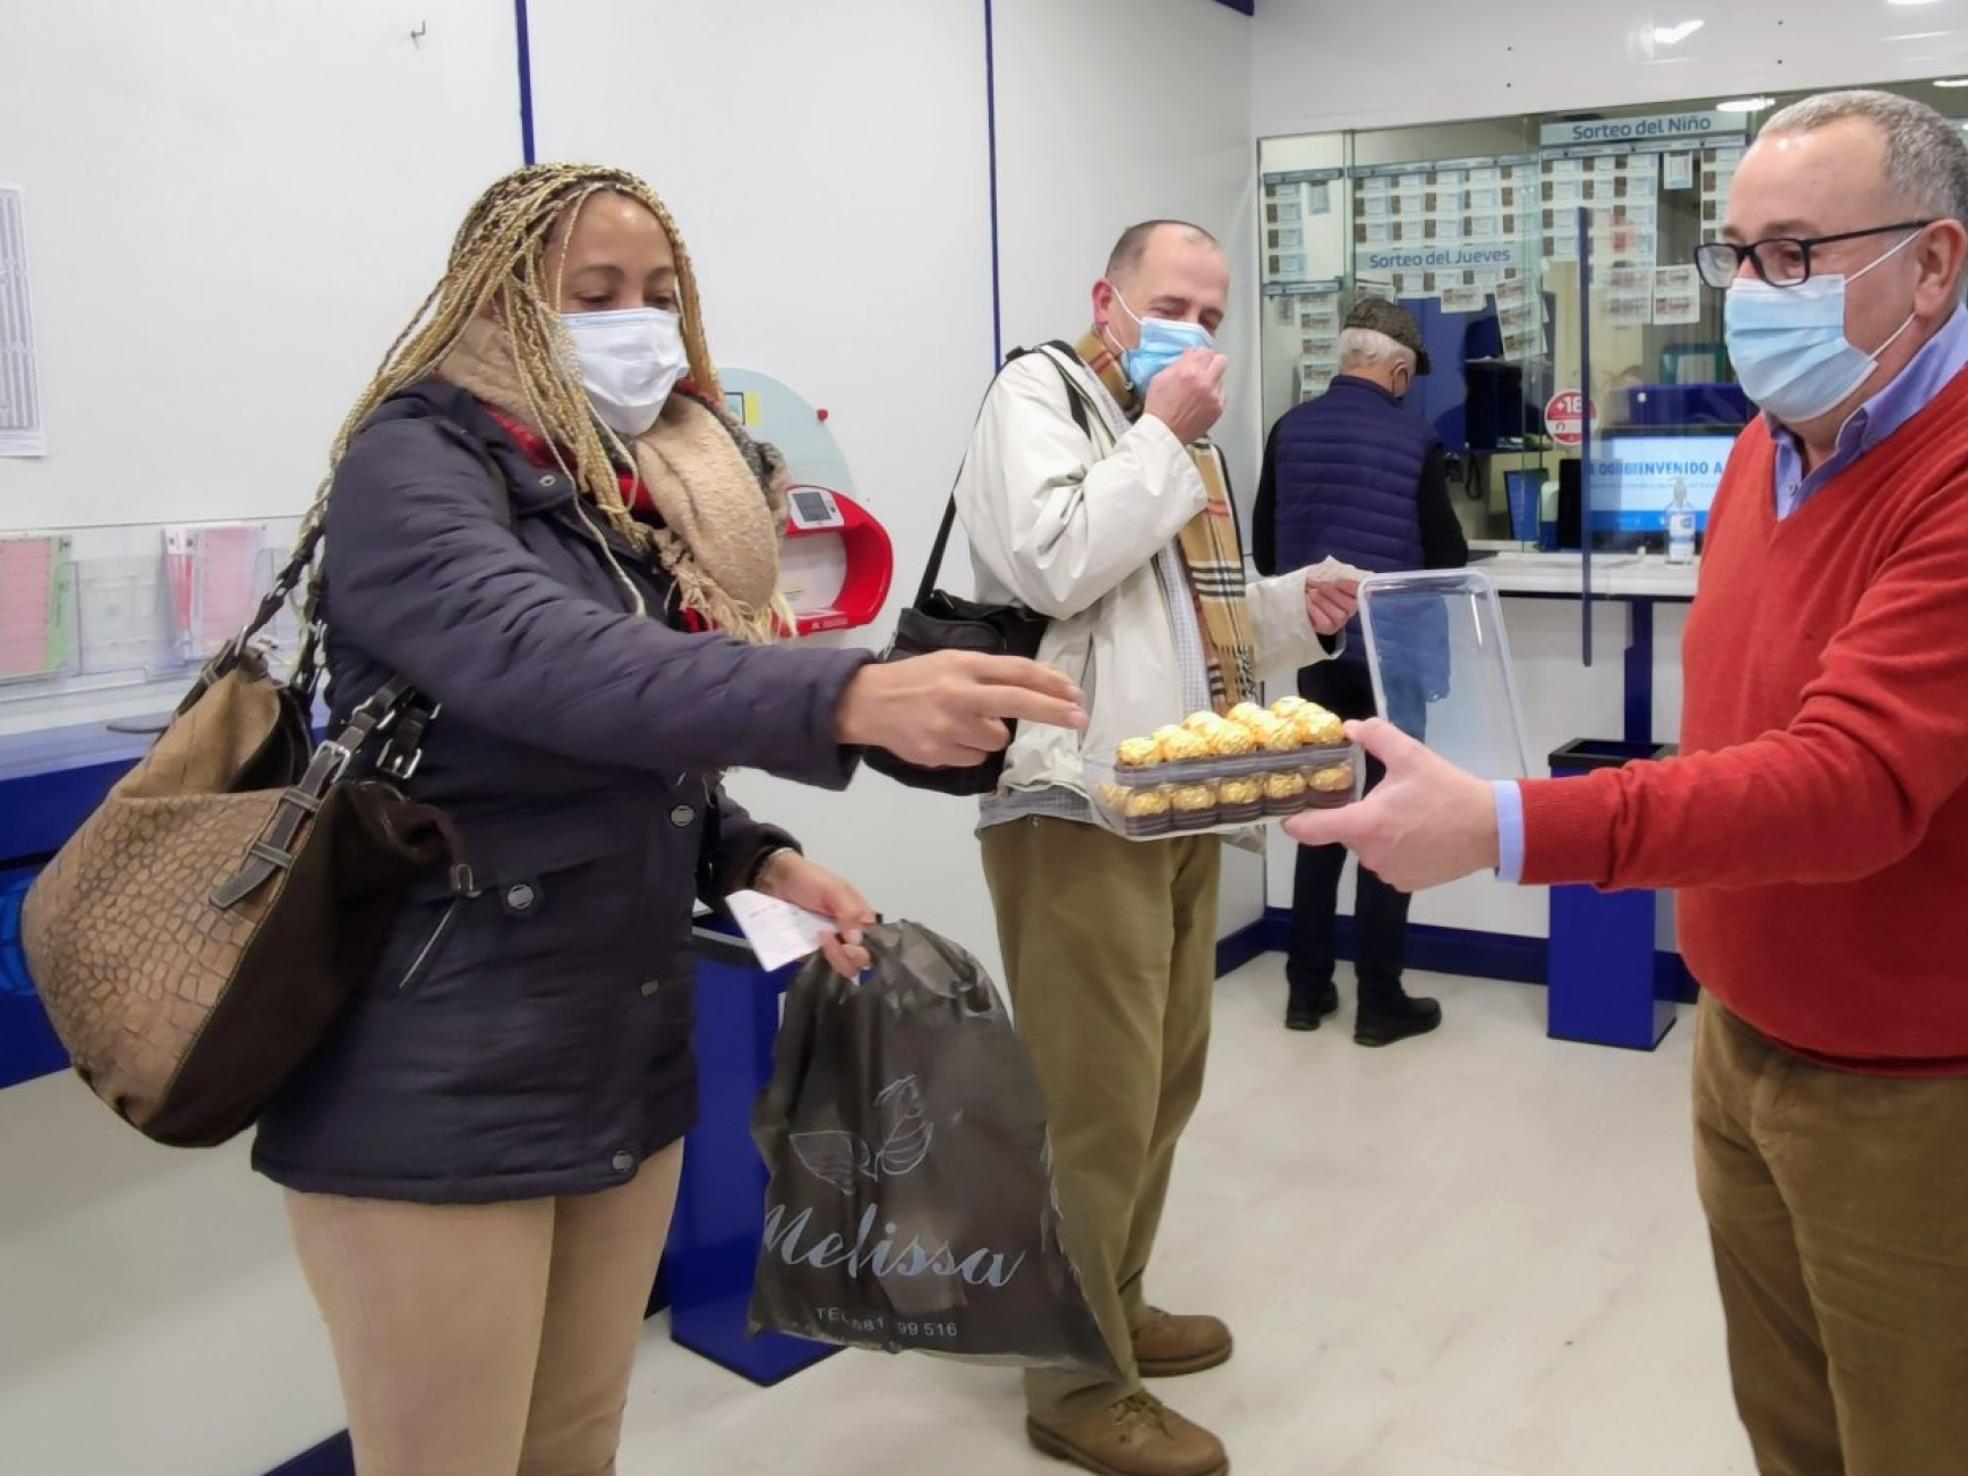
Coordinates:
column 400, row 760
column 400, row 767
column 339, row 756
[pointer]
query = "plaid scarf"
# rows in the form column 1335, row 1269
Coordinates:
column 1211, row 554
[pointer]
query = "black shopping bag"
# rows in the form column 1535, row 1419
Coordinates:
column 911, row 1201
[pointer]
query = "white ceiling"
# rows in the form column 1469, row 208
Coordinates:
column 1322, row 64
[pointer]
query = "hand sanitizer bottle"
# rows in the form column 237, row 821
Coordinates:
column 1680, row 526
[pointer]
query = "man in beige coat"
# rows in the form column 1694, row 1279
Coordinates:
column 1117, row 524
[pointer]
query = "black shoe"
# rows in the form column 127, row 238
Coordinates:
column 1385, row 1025
column 1309, row 1006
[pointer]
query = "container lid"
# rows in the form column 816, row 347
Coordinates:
column 1441, row 667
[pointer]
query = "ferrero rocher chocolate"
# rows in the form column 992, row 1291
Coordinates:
column 1190, row 799
column 1247, row 713
column 1273, row 735
column 1284, row 794
column 1317, row 728
column 1333, row 779
column 1231, row 740
column 1184, row 747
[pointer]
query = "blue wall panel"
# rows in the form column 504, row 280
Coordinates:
column 28, row 1047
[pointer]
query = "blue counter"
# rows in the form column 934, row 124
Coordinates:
column 49, row 783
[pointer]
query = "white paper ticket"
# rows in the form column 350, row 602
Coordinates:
column 779, row 932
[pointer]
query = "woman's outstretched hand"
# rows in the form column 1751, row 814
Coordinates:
column 949, row 710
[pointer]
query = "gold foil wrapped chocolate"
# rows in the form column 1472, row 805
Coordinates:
column 1286, row 786
column 1246, row 713
column 1333, row 779
column 1240, row 791
column 1317, row 728
column 1189, row 798
column 1184, row 746
column 1231, row 740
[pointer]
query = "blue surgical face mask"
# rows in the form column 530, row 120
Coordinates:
column 1789, row 347
column 1163, row 341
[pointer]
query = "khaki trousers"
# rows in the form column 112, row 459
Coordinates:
column 1110, row 953
column 487, row 1340
column 1838, row 1206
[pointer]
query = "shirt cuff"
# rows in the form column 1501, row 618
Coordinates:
column 1510, row 831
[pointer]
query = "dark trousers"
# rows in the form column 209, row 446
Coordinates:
column 1380, row 913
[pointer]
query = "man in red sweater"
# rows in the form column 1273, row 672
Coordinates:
column 1817, row 821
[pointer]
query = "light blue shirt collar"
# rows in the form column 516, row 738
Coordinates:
column 1912, row 390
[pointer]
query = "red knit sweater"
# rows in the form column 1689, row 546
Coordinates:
column 1817, row 822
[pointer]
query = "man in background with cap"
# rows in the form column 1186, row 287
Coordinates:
column 1354, row 475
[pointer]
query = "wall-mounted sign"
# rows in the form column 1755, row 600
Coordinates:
column 1438, row 258
column 1565, row 417
column 1318, row 288
column 1639, row 130
column 1439, row 166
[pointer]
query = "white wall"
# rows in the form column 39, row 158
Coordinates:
column 1316, row 66
column 231, row 207
column 1090, row 143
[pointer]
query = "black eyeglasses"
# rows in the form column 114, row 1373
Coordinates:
column 1782, row 261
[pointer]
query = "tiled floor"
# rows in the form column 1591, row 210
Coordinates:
column 1477, row 1254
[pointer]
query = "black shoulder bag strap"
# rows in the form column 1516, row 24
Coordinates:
column 1082, row 411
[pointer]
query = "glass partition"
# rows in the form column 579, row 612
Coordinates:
column 1446, row 221
column 1475, row 228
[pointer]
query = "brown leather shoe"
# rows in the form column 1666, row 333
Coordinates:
column 1138, row 1436
column 1168, row 1346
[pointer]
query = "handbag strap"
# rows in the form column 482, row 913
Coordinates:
column 1076, row 403
column 274, row 851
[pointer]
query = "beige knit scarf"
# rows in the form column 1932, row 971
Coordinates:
column 720, row 494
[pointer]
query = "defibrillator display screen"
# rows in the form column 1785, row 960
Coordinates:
column 812, row 509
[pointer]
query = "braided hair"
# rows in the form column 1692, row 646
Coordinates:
column 498, row 266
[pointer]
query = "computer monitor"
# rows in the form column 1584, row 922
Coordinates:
column 1636, row 478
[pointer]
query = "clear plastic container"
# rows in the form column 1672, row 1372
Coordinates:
column 1440, row 658
column 1221, row 795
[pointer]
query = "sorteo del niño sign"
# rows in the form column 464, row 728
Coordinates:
column 1639, row 130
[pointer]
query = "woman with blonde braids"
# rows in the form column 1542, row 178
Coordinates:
column 540, row 516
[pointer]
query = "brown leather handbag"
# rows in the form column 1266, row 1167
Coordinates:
column 195, row 938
